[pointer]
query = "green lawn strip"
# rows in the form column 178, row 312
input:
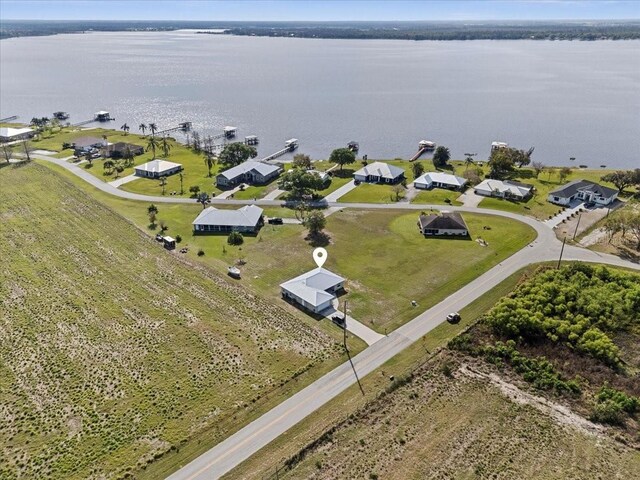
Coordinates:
column 437, row 196
column 128, row 339
column 272, row 456
column 369, row 193
column 412, row 268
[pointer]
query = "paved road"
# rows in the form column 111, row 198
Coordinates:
column 241, row 445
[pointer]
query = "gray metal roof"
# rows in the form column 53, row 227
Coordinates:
column 380, row 169
column 311, row 286
column 263, row 169
column 576, row 186
column 247, row 216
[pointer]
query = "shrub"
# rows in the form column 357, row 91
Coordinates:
column 608, row 412
column 178, row 238
column 200, row 252
column 628, row 403
column 235, row 238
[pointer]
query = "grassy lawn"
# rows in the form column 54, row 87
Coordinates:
column 537, row 206
column 437, row 196
column 354, row 235
column 117, row 356
column 369, row 193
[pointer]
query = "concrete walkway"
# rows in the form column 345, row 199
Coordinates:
column 564, row 215
column 359, row 329
column 123, row 180
column 273, row 194
column 411, row 193
column 227, row 193
column 470, row 198
column 343, row 190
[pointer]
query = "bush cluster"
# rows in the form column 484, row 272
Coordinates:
column 578, row 305
column 538, row 371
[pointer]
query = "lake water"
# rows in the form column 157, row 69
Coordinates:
column 568, row 99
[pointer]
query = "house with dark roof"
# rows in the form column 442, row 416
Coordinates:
column 84, row 145
column 314, row 290
column 248, row 219
column 445, row 224
column 251, row 172
column 119, row 150
column 583, row 191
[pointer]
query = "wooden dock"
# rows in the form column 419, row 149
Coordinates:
column 424, row 146
column 289, row 146
column 184, row 127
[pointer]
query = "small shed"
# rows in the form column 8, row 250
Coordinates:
column 169, row 243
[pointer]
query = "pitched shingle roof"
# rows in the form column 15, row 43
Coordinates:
column 575, row 186
column 311, row 286
column 157, row 166
column 247, row 216
column 380, row 169
column 263, row 169
column 440, row 177
column 446, row 221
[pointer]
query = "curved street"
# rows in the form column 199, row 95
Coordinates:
column 248, row 440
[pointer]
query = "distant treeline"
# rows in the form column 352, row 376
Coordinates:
column 611, row 30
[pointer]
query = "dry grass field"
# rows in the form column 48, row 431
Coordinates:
column 459, row 420
column 115, row 354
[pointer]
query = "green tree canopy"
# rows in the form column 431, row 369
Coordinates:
column 300, row 183
column 300, row 160
column 236, row 153
column 441, row 156
column 315, row 222
column 342, row 156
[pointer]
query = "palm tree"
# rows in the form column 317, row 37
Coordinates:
column 152, row 144
column 108, row 166
column 209, row 162
column 152, row 211
column 153, row 127
column 143, row 128
column 181, row 175
column 468, row 162
column 166, row 146
column 128, row 157
column 125, row 128
column 118, row 167
column 163, row 183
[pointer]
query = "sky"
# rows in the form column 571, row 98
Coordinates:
column 326, row 10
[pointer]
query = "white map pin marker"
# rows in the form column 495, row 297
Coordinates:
column 320, row 256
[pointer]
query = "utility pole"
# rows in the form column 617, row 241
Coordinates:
column 561, row 251
column 344, row 326
column 575, row 232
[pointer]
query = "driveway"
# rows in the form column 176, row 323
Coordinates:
column 470, row 198
column 273, row 194
column 343, row 190
column 123, row 180
column 357, row 328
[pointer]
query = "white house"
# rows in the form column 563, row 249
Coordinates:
column 247, row 219
column 583, row 190
column 504, row 189
column 8, row 134
column 314, row 290
column 439, row 180
column 157, row 168
column 448, row 224
column 251, row 171
column 379, row 172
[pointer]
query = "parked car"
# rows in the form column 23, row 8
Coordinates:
column 275, row 221
column 338, row 320
column 159, row 237
column 356, row 182
column 454, row 317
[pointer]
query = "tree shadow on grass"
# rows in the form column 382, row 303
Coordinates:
column 344, row 173
column 319, row 239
